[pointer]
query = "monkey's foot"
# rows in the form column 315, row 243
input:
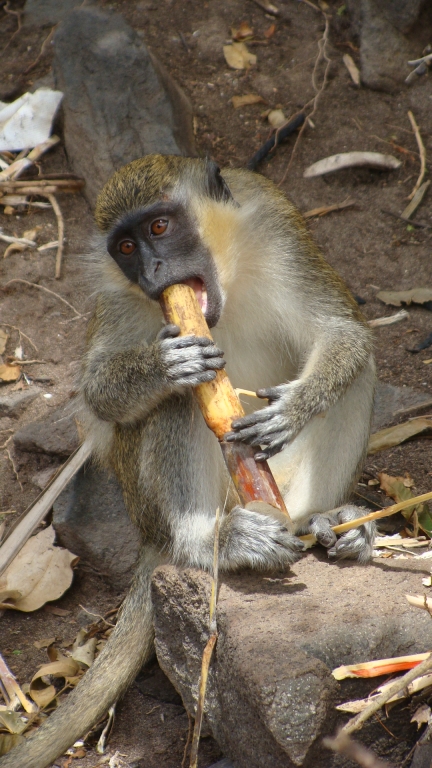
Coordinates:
column 250, row 540
column 356, row 544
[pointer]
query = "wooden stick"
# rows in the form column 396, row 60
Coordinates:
column 35, row 513
column 60, row 227
column 220, row 406
column 310, row 539
column 422, row 152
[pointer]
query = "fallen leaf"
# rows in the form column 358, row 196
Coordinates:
column 270, row 31
column 413, row 296
column 84, row 654
column 237, row 56
column 243, row 32
column 44, row 643
column 352, row 160
column 3, row 340
column 31, row 234
column 56, row 611
column 13, row 721
column 388, row 438
column 352, row 68
column 43, row 692
column 14, row 247
column 421, row 715
column 8, row 741
column 9, row 373
column 244, row 101
column 40, row 572
column 396, row 489
column 276, row 118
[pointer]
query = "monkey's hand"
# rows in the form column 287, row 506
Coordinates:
column 248, row 539
column 188, row 360
column 277, row 424
column 356, row 544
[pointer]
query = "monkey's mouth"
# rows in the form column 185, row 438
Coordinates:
column 200, row 292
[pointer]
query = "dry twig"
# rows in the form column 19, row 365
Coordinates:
column 18, row 14
column 324, row 209
column 357, row 722
column 422, row 152
column 42, row 51
column 13, row 691
column 47, row 290
column 322, row 56
column 208, row 650
column 354, row 751
column 60, row 227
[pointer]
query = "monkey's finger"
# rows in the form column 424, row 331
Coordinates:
column 257, row 417
column 170, row 331
column 212, row 352
column 190, row 341
column 271, row 393
column 196, row 378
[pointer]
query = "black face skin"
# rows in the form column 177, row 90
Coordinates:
column 158, row 246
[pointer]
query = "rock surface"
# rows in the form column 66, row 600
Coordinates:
column 271, row 695
column 43, row 13
column 384, row 48
column 119, row 103
column 13, row 403
column 90, row 519
column 56, row 435
column 393, row 402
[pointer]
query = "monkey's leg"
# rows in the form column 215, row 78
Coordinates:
column 127, row 649
column 316, row 472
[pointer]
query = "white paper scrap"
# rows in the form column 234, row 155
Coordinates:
column 28, row 120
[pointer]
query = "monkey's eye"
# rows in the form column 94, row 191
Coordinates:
column 126, row 247
column 158, row 227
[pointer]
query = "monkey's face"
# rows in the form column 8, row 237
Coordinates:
column 159, row 246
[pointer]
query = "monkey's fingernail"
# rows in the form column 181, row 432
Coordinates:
column 229, row 437
column 260, row 457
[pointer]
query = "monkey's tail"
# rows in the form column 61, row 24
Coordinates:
column 128, row 648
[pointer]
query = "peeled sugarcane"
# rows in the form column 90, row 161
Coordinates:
column 220, row 406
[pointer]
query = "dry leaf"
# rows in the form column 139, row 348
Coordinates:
column 270, row 31
column 352, row 68
column 244, row 101
column 40, row 572
column 397, row 298
column 56, row 611
column 243, row 32
column 9, row 373
column 388, row 438
column 421, row 715
column 84, row 654
column 3, row 340
column 8, row 741
column 44, row 643
column 276, row 118
column 418, row 515
column 13, row 721
column 43, row 692
column 352, row 160
column 237, row 56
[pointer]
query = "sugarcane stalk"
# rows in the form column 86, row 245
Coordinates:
column 220, row 406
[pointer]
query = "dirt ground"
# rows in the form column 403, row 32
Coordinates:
column 369, row 248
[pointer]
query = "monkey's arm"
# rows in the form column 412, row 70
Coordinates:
column 126, row 385
column 340, row 352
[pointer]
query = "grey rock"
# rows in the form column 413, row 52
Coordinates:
column 91, row 520
column 401, row 13
column 45, row 13
column 271, row 695
column 42, row 478
column 56, row 435
column 211, row 38
column 13, row 403
column 391, row 402
column 119, row 103
column 384, row 49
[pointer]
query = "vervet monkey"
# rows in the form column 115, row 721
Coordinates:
column 289, row 329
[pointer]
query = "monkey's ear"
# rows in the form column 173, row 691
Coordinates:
column 217, row 188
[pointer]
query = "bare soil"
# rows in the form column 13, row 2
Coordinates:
column 369, row 248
